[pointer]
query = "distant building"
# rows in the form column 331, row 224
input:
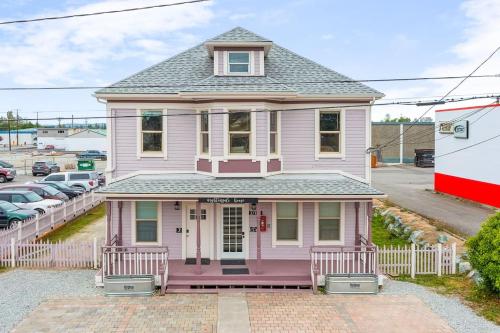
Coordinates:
column 467, row 157
column 71, row 139
column 24, row 137
column 405, row 137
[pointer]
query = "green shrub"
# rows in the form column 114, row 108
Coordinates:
column 483, row 251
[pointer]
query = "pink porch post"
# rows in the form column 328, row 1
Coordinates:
column 108, row 223
column 198, row 238
column 120, row 224
column 357, row 240
column 259, row 244
column 369, row 208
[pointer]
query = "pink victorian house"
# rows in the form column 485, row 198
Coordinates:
column 238, row 163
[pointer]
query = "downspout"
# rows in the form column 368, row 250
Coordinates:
column 112, row 133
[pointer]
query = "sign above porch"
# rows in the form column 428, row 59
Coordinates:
column 229, row 200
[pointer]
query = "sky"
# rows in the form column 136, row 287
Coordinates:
column 360, row 39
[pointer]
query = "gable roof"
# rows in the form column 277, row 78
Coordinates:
column 285, row 71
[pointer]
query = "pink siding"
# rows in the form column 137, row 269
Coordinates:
column 220, row 58
column 262, row 133
column 298, row 146
column 273, row 165
column 181, row 144
column 217, row 133
column 204, row 165
column 239, row 166
column 256, row 57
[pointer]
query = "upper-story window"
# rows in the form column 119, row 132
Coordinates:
column 329, row 135
column 204, row 133
column 151, row 131
column 238, row 62
column 273, row 133
column 240, row 132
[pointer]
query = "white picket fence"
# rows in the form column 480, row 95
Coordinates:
column 29, row 230
column 412, row 260
column 51, row 255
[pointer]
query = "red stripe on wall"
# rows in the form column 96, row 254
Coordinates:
column 469, row 107
column 486, row 193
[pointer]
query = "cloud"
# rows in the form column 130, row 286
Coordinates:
column 242, row 16
column 327, row 36
column 480, row 38
column 58, row 52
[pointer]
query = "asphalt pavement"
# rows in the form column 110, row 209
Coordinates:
column 412, row 188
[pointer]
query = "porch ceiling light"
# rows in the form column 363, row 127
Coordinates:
column 177, row 206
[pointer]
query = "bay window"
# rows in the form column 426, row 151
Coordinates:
column 273, row 133
column 240, row 132
column 204, row 134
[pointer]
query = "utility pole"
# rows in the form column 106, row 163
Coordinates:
column 59, row 120
column 17, row 127
column 72, row 121
column 37, row 120
column 8, row 124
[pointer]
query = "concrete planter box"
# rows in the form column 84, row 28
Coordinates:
column 129, row 285
column 351, row 284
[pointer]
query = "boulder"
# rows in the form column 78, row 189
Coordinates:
column 464, row 267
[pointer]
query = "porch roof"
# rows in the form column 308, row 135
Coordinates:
column 277, row 186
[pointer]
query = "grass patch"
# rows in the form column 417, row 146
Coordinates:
column 482, row 302
column 381, row 236
column 75, row 226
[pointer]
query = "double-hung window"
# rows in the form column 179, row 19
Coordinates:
column 240, row 132
column 287, row 228
column 238, row 62
column 329, row 229
column 329, row 132
column 147, row 222
column 204, row 136
column 152, row 131
column 273, row 133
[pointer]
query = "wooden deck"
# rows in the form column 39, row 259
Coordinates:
column 272, row 273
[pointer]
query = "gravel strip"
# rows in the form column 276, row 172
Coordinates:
column 22, row 290
column 460, row 317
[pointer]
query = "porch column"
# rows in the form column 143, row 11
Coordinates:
column 357, row 240
column 120, row 224
column 259, row 243
column 369, row 208
column 108, row 222
column 198, row 237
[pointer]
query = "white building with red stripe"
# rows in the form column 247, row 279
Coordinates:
column 467, row 156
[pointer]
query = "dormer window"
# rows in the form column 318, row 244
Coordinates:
column 238, row 62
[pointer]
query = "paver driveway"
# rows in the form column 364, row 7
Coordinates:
column 268, row 312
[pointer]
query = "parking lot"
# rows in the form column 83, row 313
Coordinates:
column 412, row 188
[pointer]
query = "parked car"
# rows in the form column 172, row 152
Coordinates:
column 86, row 180
column 29, row 200
column 49, row 147
column 71, row 192
column 44, row 168
column 11, row 214
column 424, row 158
column 7, row 172
column 45, row 191
column 93, row 154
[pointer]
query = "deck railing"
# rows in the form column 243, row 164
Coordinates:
column 342, row 260
column 136, row 260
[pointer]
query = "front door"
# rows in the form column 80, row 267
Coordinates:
column 205, row 228
column 234, row 224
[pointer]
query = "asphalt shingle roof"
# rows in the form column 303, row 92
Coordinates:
column 188, row 184
column 285, row 71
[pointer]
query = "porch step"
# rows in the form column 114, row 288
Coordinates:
column 227, row 289
column 240, row 280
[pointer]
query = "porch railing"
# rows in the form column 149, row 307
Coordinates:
column 136, row 260
column 342, row 260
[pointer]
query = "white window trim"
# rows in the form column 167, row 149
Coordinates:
column 278, row 135
column 275, row 241
column 163, row 152
column 198, row 134
column 317, row 138
column 158, row 229
column 253, row 135
column 341, row 241
column 251, row 69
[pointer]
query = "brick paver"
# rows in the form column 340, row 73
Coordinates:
column 267, row 312
column 305, row 312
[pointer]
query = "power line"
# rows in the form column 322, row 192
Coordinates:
column 48, row 18
column 226, row 112
column 448, row 93
column 470, row 146
column 251, row 84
